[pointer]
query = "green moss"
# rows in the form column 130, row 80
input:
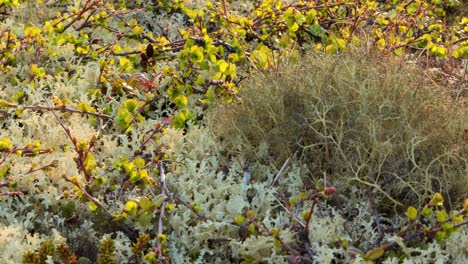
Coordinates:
column 106, row 251
column 58, row 252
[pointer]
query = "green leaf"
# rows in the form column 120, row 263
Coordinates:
column 131, row 207
column 92, row 206
column 305, row 214
column 293, row 27
column 275, row 232
column 461, row 52
column 411, row 213
column 205, row 66
column 151, row 257
column 442, row 216
column 457, row 218
column 144, row 219
column 100, row 181
column 137, row 30
column 441, row 235
column 131, row 105
column 128, row 167
column 145, row 203
column 135, row 176
column 159, row 199
column 448, row 228
column 252, row 229
column 437, row 200
column 374, row 253
column 4, row 169
column 4, row 103
column 427, row 211
column 89, row 163
column 139, row 162
column 197, row 208
column 196, row 54
column 162, row 238
column 13, row 184
column 169, row 207
column 200, row 80
column 123, row 119
column 239, row 220
column 180, row 119
column 181, row 101
column 331, row 49
column 223, row 66
column 317, row 30
column 37, row 71
column 439, row 51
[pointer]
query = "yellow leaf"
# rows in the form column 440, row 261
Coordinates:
column 411, row 213
column 5, row 144
column 137, row 30
column 239, row 220
column 294, row 27
column 223, row 65
column 374, row 253
column 330, row 49
column 131, row 207
column 92, row 206
column 437, row 200
column 381, row 42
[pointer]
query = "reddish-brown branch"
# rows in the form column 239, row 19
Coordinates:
column 53, row 164
column 90, row 197
column 11, row 193
column 59, row 109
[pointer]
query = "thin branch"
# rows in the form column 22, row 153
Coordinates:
column 143, row 144
column 11, row 193
column 59, row 109
column 284, row 165
column 160, row 231
column 90, row 197
column 53, row 164
column 80, row 159
column 164, row 191
column 186, row 204
column 86, row 21
column 277, row 237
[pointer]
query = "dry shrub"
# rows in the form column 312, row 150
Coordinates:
column 355, row 119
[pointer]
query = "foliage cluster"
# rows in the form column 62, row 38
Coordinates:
column 105, row 153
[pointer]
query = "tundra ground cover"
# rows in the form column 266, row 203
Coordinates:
column 213, row 131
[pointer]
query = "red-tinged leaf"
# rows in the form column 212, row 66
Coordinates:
column 167, row 121
column 143, row 56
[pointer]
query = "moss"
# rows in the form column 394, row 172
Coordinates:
column 106, row 251
column 59, row 252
